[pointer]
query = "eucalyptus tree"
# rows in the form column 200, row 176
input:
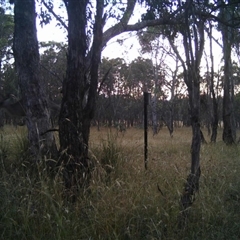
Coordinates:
column 237, row 110
column 26, row 54
column 190, row 29
column 141, row 76
column 213, row 83
column 192, row 32
column 230, row 18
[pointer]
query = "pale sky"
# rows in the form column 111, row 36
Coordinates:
column 128, row 50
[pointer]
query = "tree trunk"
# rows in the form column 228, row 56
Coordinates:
column 193, row 40
column 192, row 184
column 170, row 129
column 27, row 65
column 73, row 130
column 229, row 131
column 228, row 128
column 214, row 122
column 79, row 96
column 169, row 120
column 1, row 85
column 214, row 112
column 154, row 114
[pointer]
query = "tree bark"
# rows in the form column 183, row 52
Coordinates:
column 214, row 115
column 229, row 131
column 228, row 117
column 79, row 95
column 154, row 114
column 193, row 40
column 27, row 66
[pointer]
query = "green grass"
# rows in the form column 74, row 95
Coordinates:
column 124, row 201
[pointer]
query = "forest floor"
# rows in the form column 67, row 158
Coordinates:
column 124, row 201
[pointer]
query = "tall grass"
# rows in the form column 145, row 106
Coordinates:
column 125, row 201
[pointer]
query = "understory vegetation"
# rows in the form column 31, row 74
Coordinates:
column 124, row 201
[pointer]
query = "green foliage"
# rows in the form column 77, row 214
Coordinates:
column 130, row 206
column 156, row 8
column 6, row 33
column 7, row 74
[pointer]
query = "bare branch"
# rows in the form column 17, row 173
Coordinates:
column 211, row 36
column 55, row 15
column 104, row 79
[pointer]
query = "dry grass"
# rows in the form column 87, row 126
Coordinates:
column 124, row 201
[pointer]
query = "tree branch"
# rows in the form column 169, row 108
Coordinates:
column 211, row 36
column 123, row 25
column 50, row 9
column 104, row 79
column 95, row 57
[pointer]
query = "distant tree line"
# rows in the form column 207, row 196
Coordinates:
column 121, row 86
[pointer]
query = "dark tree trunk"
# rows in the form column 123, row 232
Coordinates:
column 79, row 95
column 73, row 127
column 229, row 131
column 167, row 113
column 214, row 110
column 27, row 65
column 228, row 128
column 214, row 123
column 154, row 114
column 170, row 120
column 171, row 125
column 192, row 184
column 1, row 85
